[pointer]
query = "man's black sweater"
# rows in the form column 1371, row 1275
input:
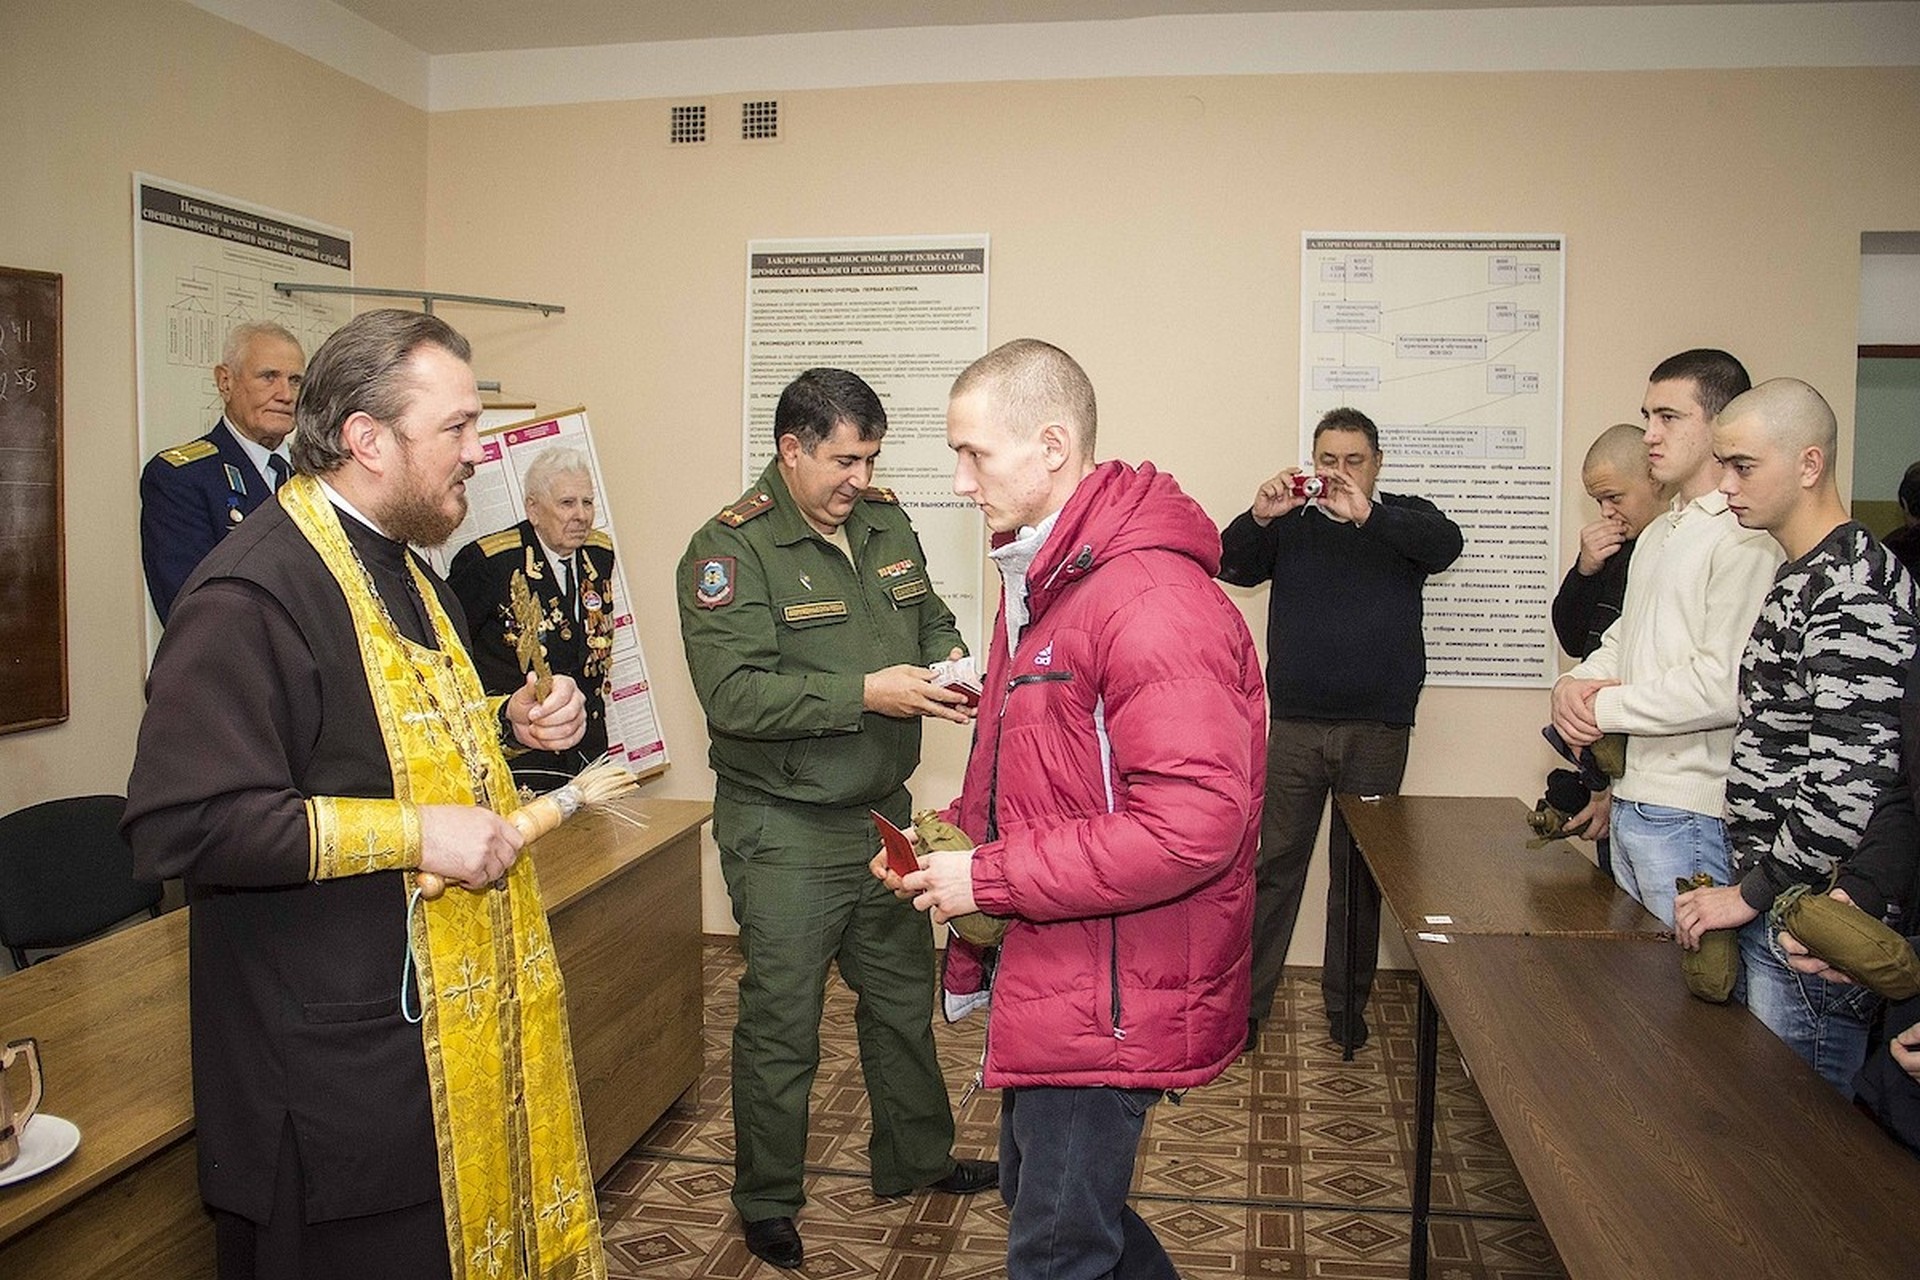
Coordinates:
column 1343, row 621
column 1587, row 604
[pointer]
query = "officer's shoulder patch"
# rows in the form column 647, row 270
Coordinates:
column 878, row 494
column 599, row 538
column 192, row 451
column 496, row 543
column 713, row 581
column 749, row 507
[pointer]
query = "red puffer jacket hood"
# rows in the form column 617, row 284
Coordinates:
column 1114, row 792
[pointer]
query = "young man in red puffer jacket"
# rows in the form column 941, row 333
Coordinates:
column 1114, row 796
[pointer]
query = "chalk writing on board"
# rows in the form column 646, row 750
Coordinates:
column 33, row 647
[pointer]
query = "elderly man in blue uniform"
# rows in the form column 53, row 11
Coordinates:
column 810, row 622
column 567, row 565
column 192, row 494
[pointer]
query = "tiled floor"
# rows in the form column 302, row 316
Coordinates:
column 1292, row 1164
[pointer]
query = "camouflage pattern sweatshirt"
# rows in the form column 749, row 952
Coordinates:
column 1819, row 731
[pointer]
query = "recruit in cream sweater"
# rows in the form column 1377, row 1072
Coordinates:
column 1693, row 591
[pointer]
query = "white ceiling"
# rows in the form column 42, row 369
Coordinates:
column 473, row 26
column 453, row 55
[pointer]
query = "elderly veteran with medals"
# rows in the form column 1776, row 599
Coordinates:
column 352, row 1120
column 565, row 567
column 810, row 625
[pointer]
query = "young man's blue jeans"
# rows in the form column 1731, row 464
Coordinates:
column 1654, row 845
column 1066, row 1160
column 1824, row 1022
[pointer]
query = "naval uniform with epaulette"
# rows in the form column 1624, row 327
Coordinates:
column 576, row 631
column 781, row 630
column 192, row 496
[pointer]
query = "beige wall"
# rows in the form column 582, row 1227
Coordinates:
column 92, row 93
column 1152, row 227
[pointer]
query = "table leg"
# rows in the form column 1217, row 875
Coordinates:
column 1340, row 847
column 1426, row 1053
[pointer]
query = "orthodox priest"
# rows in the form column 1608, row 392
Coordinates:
column 383, row 1085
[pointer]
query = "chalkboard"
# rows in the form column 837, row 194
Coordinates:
column 33, row 578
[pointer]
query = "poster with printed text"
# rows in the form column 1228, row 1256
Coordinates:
column 906, row 313
column 1453, row 345
column 204, row 263
column 496, row 500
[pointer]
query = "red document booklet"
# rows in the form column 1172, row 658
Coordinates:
column 900, row 857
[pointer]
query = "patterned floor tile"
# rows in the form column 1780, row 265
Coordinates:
column 1292, row 1164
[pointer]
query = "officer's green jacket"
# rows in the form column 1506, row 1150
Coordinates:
column 781, row 631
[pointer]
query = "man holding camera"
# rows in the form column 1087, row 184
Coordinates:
column 1345, row 663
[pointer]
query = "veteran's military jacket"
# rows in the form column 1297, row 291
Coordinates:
column 190, row 497
column 781, row 631
column 576, row 631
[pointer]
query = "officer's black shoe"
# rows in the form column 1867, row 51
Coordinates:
column 967, row 1177
column 1348, row 1030
column 774, row 1240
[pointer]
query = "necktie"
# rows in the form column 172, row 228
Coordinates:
column 280, row 468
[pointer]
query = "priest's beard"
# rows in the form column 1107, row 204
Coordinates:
column 423, row 511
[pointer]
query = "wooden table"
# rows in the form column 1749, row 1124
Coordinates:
column 1461, row 864
column 622, row 889
column 1661, row 1136
column 1449, row 866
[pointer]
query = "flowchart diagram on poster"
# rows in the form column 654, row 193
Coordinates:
column 205, row 263
column 1453, row 345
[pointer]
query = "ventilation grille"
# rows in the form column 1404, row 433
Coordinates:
column 760, row 121
column 687, row 124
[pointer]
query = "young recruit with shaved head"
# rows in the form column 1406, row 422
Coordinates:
column 1819, row 731
column 1615, row 476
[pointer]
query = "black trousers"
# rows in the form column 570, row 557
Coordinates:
column 403, row 1244
column 1307, row 761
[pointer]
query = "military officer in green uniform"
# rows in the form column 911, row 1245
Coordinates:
column 809, row 621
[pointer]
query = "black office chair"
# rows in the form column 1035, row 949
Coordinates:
column 65, row 874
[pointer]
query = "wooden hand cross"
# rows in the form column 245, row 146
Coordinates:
column 527, row 649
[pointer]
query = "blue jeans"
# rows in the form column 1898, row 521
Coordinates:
column 1654, row 845
column 1066, row 1160
column 1824, row 1022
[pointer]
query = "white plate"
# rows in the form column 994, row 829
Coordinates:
column 46, row 1141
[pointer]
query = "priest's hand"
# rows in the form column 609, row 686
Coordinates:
column 466, row 845
column 552, row 725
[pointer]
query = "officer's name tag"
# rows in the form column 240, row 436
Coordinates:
column 814, row 611
column 908, row 592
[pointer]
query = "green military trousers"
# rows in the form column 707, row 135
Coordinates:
column 804, row 898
